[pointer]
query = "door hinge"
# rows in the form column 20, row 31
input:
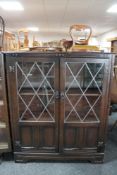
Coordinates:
column 100, row 147
column 11, row 68
column 17, row 144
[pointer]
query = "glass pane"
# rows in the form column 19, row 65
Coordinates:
column 83, row 91
column 35, row 88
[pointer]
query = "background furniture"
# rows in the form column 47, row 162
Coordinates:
column 114, row 94
column 58, row 104
column 23, row 40
column 114, row 80
column 113, row 44
column 2, row 29
column 80, row 33
column 5, row 144
column 10, row 42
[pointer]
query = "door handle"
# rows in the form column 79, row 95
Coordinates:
column 57, row 95
column 11, row 68
column 62, row 95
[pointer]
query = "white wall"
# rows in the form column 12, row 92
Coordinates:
column 103, row 40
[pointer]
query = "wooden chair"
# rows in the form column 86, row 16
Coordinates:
column 23, row 41
column 2, row 29
column 80, row 33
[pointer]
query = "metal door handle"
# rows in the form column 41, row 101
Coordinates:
column 11, row 68
column 57, row 95
column 62, row 95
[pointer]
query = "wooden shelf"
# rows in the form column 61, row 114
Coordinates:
column 3, row 145
column 89, row 92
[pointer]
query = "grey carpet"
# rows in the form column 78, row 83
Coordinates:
column 109, row 167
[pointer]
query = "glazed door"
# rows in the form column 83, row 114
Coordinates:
column 84, row 97
column 33, row 88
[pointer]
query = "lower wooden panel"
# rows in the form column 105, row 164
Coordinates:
column 80, row 137
column 91, row 136
column 38, row 138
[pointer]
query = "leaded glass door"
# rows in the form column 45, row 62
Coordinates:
column 83, row 89
column 34, row 103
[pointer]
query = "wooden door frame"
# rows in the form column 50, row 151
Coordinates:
column 11, row 59
column 105, row 96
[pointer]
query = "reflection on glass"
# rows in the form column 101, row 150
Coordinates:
column 35, row 86
column 83, row 90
